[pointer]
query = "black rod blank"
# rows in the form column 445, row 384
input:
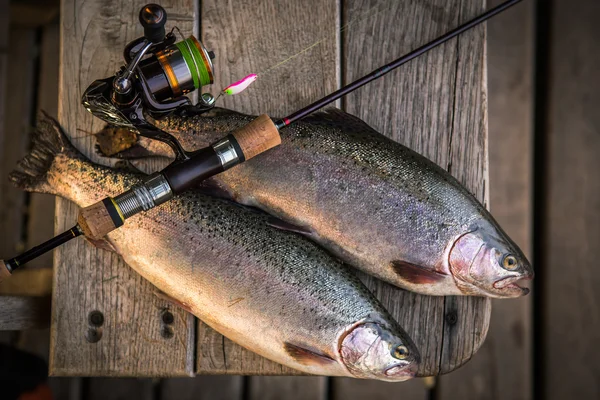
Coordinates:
column 38, row 250
column 392, row 65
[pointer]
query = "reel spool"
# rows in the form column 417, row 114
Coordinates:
column 178, row 69
column 159, row 72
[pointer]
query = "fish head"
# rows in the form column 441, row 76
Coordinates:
column 373, row 351
column 486, row 262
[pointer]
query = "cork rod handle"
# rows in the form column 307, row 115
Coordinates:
column 97, row 220
column 257, row 137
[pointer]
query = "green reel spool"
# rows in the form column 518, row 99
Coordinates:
column 197, row 60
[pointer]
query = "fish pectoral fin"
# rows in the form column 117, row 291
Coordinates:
column 287, row 226
column 212, row 188
column 306, row 355
column 416, row 274
column 101, row 244
column 175, row 302
column 127, row 166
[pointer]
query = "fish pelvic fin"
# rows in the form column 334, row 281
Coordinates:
column 306, row 355
column 287, row 226
column 416, row 274
column 48, row 142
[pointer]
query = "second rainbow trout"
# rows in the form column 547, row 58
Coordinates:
column 376, row 204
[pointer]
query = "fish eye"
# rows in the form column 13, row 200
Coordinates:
column 509, row 262
column 400, row 352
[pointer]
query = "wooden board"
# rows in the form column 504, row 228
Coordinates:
column 202, row 388
column 349, row 388
column 40, row 222
column 93, row 35
column 287, row 387
column 21, row 313
column 118, row 389
column 17, row 125
column 503, row 367
column 5, row 249
column 251, row 37
column 571, row 318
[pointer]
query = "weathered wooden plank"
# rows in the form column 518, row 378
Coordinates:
column 202, row 388
column 510, row 57
column 33, row 13
column 572, row 207
column 4, row 18
column 17, row 124
column 130, row 341
column 65, row 388
column 118, row 389
column 40, row 223
column 348, row 388
column 251, row 37
column 287, row 387
column 28, row 282
column 435, row 105
column 24, row 312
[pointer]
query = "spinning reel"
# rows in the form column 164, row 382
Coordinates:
column 159, row 72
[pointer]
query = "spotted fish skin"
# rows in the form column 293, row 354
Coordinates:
column 273, row 292
column 374, row 203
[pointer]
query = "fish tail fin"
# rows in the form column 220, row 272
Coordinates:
column 47, row 143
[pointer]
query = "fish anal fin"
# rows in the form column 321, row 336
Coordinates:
column 306, row 355
column 287, row 226
column 175, row 302
column 416, row 274
column 101, row 244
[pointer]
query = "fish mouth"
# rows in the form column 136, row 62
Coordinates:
column 401, row 372
column 510, row 286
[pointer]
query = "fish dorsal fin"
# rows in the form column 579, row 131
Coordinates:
column 336, row 117
column 287, row 226
column 416, row 274
column 306, row 355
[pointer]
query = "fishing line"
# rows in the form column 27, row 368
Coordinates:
column 241, row 85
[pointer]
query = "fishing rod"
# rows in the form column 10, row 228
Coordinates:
column 155, row 85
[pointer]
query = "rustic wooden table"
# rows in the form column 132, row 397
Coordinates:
column 435, row 105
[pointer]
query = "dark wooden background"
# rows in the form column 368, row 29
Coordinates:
column 544, row 136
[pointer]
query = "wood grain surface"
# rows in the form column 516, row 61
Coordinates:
column 19, row 66
column 130, row 342
column 503, row 366
column 202, row 387
column 40, row 221
column 24, row 312
column 571, row 247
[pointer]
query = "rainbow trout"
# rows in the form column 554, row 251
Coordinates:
column 273, row 292
column 374, row 203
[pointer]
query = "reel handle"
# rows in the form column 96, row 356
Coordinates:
column 153, row 18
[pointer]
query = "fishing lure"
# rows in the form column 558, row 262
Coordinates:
column 240, row 86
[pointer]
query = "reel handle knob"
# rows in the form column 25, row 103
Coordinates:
column 153, row 18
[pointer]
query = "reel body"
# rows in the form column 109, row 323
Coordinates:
column 159, row 72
